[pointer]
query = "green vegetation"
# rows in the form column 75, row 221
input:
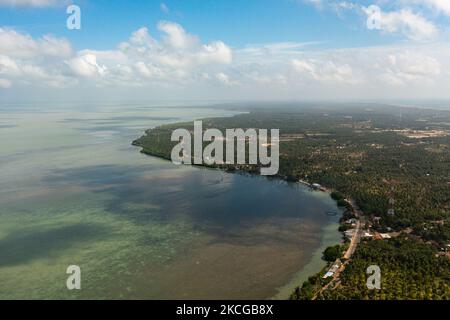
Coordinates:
column 310, row 287
column 336, row 195
column 409, row 270
column 370, row 154
column 332, row 253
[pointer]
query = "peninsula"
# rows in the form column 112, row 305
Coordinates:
column 389, row 166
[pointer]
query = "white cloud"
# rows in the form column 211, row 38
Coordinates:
column 225, row 79
column 19, row 45
column 146, row 70
column 411, row 24
column 408, row 67
column 304, row 67
column 164, row 8
column 216, row 52
column 5, row 83
column 28, row 61
column 176, row 37
column 317, row 3
column 180, row 61
column 325, row 71
column 179, row 54
column 178, row 58
column 440, row 6
column 346, row 5
column 86, row 65
column 407, row 17
column 8, row 67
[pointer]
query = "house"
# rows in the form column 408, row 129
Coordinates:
column 367, row 234
column 349, row 233
column 334, row 268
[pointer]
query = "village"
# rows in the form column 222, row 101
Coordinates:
column 357, row 227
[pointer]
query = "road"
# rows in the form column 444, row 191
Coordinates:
column 360, row 222
column 356, row 238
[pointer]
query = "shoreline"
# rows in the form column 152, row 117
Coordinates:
column 314, row 265
column 316, row 256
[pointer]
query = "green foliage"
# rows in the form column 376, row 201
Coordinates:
column 409, row 270
column 336, row 195
column 332, row 253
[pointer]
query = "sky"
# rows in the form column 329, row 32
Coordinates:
column 225, row 50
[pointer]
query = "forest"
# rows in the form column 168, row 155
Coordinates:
column 409, row 270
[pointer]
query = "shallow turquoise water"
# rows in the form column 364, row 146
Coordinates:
column 74, row 191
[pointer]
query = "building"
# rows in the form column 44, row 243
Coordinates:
column 334, row 268
column 350, row 233
column 367, row 235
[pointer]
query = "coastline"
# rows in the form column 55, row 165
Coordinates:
column 331, row 236
column 315, row 264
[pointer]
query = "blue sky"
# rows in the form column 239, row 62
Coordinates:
column 226, row 48
column 238, row 22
